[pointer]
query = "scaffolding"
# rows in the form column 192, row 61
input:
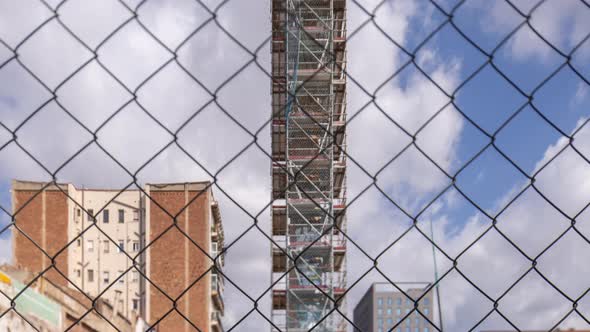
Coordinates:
column 308, row 169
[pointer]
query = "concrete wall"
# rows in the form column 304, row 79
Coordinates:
column 401, row 302
column 364, row 312
column 174, row 262
column 96, row 250
column 372, row 316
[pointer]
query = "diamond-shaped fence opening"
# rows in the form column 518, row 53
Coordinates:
column 429, row 165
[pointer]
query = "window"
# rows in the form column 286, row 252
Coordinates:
column 426, row 300
column 398, row 311
column 408, row 329
column 105, row 277
column 78, row 242
column 214, row 281
column 417, row 329
column 389, row 301
column 90, row 275
column 380, row 322
column 399, row 301
column 78, row 212
column 121, row 246
column 379, row 312
column 380, row 301
column 91, row 215
column 135, row 246
column 78, row 273
column 425, row 311
column 135, row 215
column 135, row 304
column 106, row 246
column 417, row 322
column 121, row 216
column 90, row 244
column 134, row 276
column 389, row 322
column 426, row 329
column 105, row 216
column 389, row 311
column 122, row 279
column 121, row 305
column 408, row 302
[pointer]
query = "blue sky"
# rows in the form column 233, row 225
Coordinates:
column 489, row 100
column 528, row 140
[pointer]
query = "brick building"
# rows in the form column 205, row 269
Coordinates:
column 93, row 236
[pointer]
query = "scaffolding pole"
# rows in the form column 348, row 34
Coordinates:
column 308, row 169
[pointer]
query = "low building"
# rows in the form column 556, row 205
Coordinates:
column 103, row 242
column 41, row 305
column 383, row 306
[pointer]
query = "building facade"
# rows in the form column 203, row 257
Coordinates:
column 104, row 241
column 309, row 164
column 384, row 307
column 45, row 306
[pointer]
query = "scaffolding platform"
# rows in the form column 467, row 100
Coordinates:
column 308, row 124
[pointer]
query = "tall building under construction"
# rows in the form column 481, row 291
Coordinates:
column 308, row 144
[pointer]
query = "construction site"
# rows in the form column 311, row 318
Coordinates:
column 308, row 168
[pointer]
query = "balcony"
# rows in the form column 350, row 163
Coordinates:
column 217, row 293
column 216, row 325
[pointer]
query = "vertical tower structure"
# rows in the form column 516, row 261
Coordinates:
column 308, row 144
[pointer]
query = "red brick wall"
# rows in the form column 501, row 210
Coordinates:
column 200, row 232
column 29, row 220
column 172, row 257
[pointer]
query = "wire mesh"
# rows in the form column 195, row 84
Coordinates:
column 49, row 77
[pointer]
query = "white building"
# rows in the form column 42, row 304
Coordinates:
column 101, row 260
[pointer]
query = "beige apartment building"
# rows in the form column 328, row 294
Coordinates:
column 102, row 241
column 98, row 260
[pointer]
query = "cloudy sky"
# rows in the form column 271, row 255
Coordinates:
column 530, row 100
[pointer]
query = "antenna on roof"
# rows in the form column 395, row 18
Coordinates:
column 440, row 317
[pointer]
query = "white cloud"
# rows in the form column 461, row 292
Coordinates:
column 561, row 23
column 580, row 96
column 5, row 250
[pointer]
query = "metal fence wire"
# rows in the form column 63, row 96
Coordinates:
column 37, row 22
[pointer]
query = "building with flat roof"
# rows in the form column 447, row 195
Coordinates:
column 384, row 307
column 102, row 242
column 45, row 306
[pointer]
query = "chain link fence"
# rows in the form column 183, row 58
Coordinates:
column 466, row 145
